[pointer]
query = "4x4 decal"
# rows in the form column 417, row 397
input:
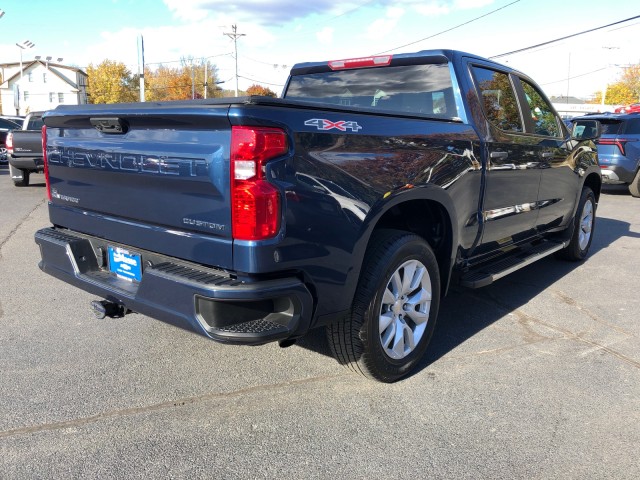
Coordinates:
column 324, row 124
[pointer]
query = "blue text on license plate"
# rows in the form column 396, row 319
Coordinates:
column 125, row 264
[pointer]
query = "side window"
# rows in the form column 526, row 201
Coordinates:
column 498, row 99
column 633, row 127
column 545, row 122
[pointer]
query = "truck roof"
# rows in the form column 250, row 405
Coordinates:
column 437, row 56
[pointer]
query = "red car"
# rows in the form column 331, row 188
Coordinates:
column 633, row 108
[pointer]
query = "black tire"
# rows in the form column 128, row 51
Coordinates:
column 394, row 259
column 583, row 228
column 24, row 180
column 634, row 186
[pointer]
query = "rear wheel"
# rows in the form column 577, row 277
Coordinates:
column 394, row 311
column 19, row 176
column 583, row 226
column 634, row 186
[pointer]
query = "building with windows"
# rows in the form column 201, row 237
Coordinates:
column 40, row 86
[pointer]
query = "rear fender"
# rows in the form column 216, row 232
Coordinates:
column 431, row 193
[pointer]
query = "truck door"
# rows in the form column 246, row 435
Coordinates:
column 513, row 175
column 557, row 193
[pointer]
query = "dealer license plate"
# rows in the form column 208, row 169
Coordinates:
column 125, row 264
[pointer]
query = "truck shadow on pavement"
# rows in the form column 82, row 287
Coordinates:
column 617, row 190
column 466, row 312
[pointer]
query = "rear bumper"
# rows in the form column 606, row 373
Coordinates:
column 33, row 164
column 208, row 301
column 617, row 173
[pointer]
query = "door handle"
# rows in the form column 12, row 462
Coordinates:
column 547, row 155
column 498, row 154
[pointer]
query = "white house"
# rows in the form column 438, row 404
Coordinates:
column 40, row 86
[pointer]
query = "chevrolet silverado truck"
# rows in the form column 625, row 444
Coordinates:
column 351, row 203
column 24, row 150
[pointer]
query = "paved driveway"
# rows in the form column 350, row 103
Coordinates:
column 536, row 376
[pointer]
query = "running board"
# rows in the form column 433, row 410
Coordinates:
column 488, row 273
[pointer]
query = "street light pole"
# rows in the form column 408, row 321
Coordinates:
column 22, row 46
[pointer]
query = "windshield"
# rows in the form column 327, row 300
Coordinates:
column 413, row 89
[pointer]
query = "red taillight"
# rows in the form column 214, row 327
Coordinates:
column 379, row 61
column 618, row 142
column 44, row 159
column 255, row 203
column 9, row 143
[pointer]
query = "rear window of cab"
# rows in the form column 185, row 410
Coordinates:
column 409, row 89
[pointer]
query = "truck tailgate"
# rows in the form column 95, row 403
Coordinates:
column 144, row 177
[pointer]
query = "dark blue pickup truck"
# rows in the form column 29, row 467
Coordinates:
column 351, row 203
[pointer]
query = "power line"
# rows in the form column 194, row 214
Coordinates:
column 179, row 61
column 449, row 29
column 571, row 78
column 564, row 38
column 351, row 11
column 261, row 81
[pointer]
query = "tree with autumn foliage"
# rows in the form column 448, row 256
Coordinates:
column 181, row 83
column 166, row 83
column 260, row 90
column 110, row 82
column 625, row 91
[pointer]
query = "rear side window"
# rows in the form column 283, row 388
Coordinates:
column 414, row 89
column 545, row 122
column 632, row 127
column 498, row 99
column 610, row 127
column 35, row 123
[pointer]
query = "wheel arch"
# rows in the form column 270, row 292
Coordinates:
column 594, row 182
column 427, row 212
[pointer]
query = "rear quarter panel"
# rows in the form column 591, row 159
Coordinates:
column 338, row 183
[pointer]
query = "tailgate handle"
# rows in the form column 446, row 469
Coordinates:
column 109, row 124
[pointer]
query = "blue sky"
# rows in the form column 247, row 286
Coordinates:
column 279, row 33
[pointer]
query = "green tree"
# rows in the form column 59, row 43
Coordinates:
column 110, row 82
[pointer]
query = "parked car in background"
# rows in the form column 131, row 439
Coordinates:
column 618, row 148
column 14, row 118
column 633, row 108
column 6, row 125
column 24, row 149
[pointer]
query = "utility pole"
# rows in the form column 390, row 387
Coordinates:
column 606, row 80
column 141, row 74
column 235, row 36
column 206, row 80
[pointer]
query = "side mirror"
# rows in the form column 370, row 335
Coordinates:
column 586, row 129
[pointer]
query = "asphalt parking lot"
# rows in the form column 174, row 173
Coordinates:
column 536, row 376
